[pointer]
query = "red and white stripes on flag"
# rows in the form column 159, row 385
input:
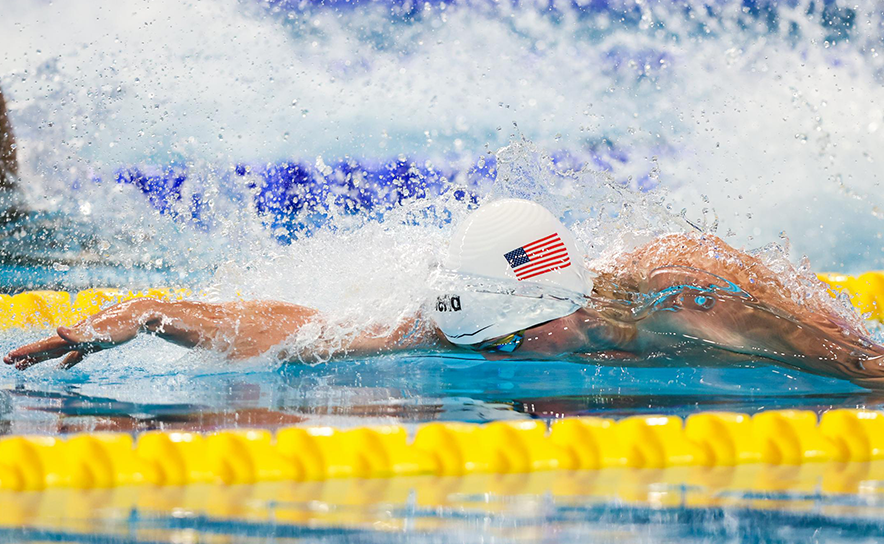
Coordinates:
column 539, row 257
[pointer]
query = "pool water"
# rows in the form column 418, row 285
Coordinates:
column 129, row 390
column 149, row 385
column 649, row 506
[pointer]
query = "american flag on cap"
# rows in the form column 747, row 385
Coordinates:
column 539, row 257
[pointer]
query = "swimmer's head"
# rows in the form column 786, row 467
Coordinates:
column 530, row 257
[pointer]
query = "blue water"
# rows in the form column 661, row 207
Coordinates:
column 128, row 389
column 499, row 518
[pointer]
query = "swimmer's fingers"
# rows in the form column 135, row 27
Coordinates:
column 71, row 359
column 106, row 329
column 66, row 344
column 37, row 352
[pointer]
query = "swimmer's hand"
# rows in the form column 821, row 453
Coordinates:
column 106, row 329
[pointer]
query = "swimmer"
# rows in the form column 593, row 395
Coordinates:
column 516, row 287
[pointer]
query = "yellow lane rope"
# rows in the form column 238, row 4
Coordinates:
column 865, row 291
column 43, row 309
column 105, row 460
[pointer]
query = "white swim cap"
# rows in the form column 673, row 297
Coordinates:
column 515, row 265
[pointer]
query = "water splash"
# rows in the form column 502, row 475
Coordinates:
column 229, row 128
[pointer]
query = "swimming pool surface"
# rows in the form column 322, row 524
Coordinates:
column 150, row 385
column 512, row 508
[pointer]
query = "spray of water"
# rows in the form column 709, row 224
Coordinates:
column 646, row 118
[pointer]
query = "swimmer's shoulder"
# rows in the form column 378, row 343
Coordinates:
column 693, row 250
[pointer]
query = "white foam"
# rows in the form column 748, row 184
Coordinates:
column 768, row 130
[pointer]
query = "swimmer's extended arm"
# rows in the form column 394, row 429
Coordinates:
column 238, row 329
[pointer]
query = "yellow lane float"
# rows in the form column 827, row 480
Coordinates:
column 251, row 456
column 865, row 291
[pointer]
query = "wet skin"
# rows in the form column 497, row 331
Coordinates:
column 700, row 301
column 689, row 323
